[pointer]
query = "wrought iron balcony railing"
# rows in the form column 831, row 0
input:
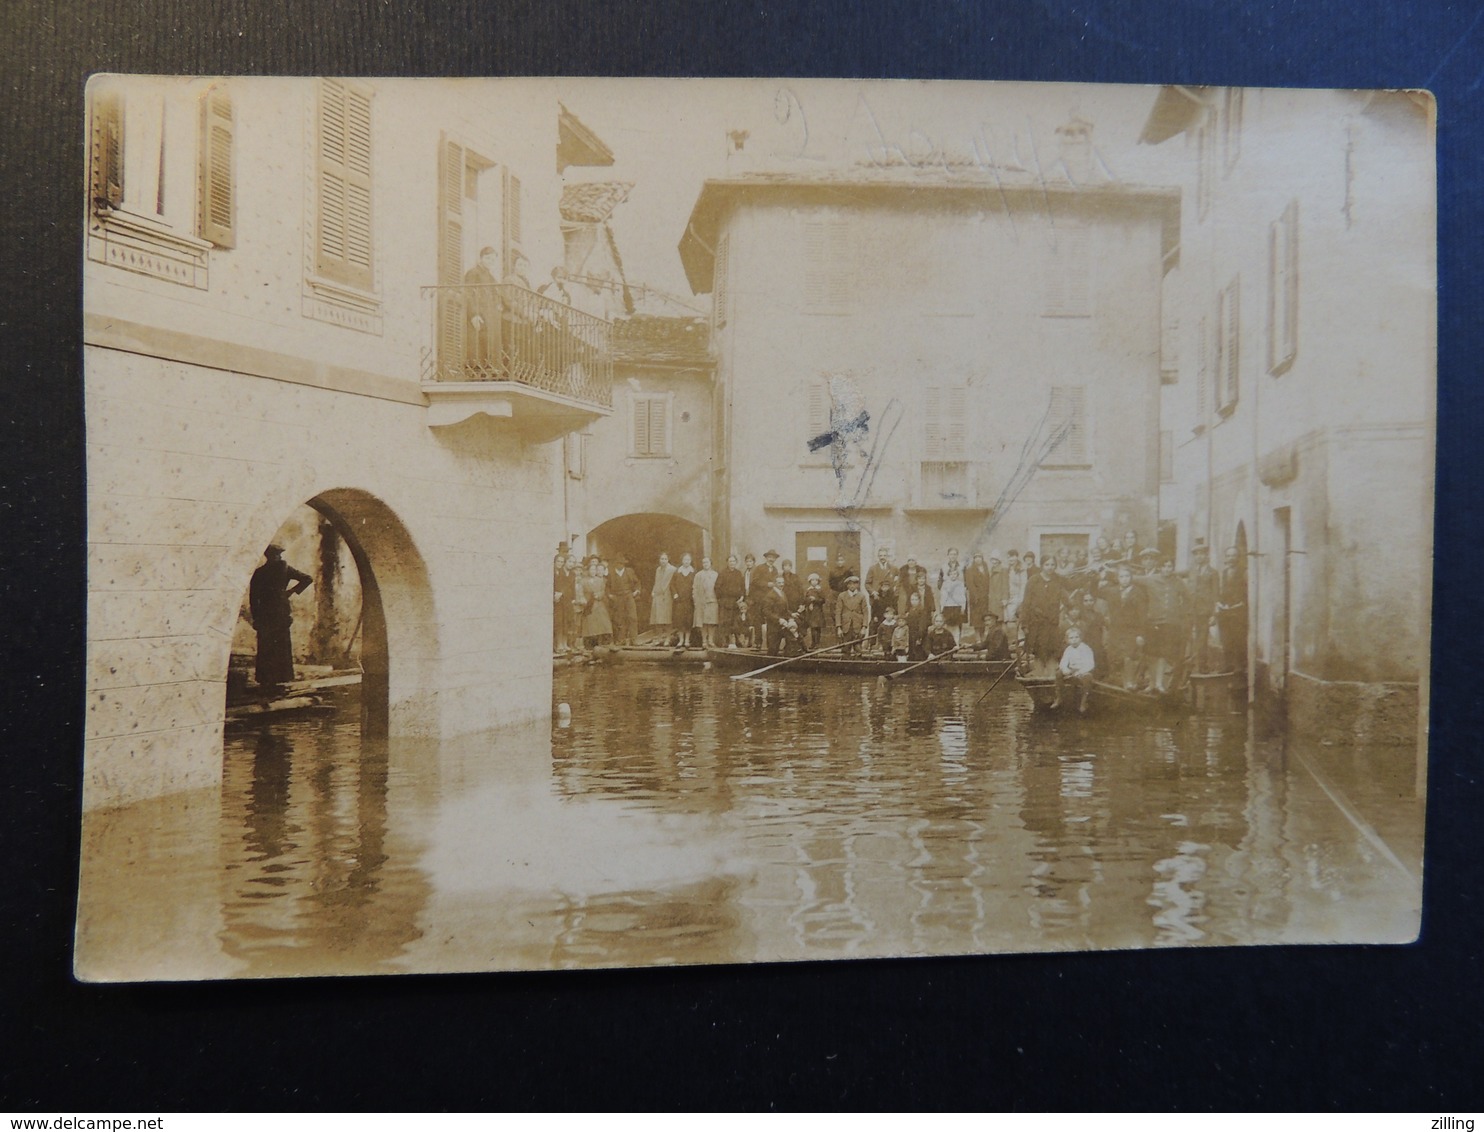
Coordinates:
column 503, row 332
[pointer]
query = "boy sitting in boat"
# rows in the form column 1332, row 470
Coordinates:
column 895, row 639
column 1076, row 666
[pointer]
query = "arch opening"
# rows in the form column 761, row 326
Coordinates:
column 367, row 612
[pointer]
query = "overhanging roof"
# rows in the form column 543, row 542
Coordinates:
column 576, row 144
column 986, row 190
column 1175, row 107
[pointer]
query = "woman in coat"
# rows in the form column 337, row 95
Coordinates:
column 597, row 627
column 661, row 604
column 683, row 599
column 708, row 609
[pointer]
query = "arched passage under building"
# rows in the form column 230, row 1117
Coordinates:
column 641, row 538
column 370, row 607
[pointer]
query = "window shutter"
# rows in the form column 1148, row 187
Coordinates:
column 1283, row 290
column 511, row 220
column 451, row 303
column 955, row 426
column 719, row 294
column 1068, row 419
column 818, row 415
column 933, row 447
column 1068, row 268
column 108, row 151
column 641, row 426
column 659, row 427
column 840, row 264
column 345, row 184
column 816, row 254
column 218, row 196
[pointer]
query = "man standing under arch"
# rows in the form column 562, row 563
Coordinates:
column 273, row 583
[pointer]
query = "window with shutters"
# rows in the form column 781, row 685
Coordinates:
column 1068, row 272
column 217, row 219
column 829, row 265
column 1226, row 378
column 945, row 467
column 142, row 146
column 1067, row 439
column 1283, row 291
column 649, row 430
column 343, row 228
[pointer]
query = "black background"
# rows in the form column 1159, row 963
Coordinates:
column 1370, row 1028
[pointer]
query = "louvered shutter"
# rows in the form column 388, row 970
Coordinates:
column 511, row 220
column 818, row 413
column 345, row 218
column 839, row 264
column 719, row 284
column 1068, row 420
column 954, row 427
column 108, row 151
column 659, row 427
column 1203, row 373
column 816, row 264
column 933, row 449
column 451, row 300
column 218, row 198
column 641, row 425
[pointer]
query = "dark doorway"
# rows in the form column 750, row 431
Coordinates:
column 815, row 552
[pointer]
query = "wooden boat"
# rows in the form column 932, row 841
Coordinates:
column 649, row 654
column 266, row 711
column 836, row 665
column 1103, row 699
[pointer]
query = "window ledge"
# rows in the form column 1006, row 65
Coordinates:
column 327, row 300
column 136, row 243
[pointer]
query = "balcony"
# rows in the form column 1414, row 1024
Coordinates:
column 511, row 354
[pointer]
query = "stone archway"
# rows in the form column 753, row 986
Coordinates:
column 641, row 537
column 396, row 629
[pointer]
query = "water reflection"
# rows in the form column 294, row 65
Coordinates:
column 683, row 817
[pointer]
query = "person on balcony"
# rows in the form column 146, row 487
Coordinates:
column 482, row 317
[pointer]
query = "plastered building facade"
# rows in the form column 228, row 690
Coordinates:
column 1302, row 414
column 275, row 306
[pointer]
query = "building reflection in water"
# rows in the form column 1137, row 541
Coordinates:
column 683, row 817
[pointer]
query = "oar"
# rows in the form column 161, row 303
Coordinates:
column 1009, row 668
column 801, row 656
column 920, row 663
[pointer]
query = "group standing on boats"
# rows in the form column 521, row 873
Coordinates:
column 1139, row 626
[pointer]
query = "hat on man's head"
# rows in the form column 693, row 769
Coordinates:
column 770, row 554
column 562, row 548
column 273, row 548
column 1149, row 552
column 852, row 578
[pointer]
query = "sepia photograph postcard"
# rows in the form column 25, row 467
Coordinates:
column 976, row 517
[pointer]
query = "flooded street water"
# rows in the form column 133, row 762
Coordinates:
column 682, row 817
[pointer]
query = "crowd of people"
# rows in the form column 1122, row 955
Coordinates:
column 1136, row 622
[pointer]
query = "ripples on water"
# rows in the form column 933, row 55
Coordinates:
column 684, row 817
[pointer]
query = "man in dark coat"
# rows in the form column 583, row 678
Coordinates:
column 976, row 585
column 1128, row 617
column 273, row 583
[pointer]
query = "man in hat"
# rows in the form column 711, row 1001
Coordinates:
column 992, row 644
column 852, row 614
column 273, row 583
